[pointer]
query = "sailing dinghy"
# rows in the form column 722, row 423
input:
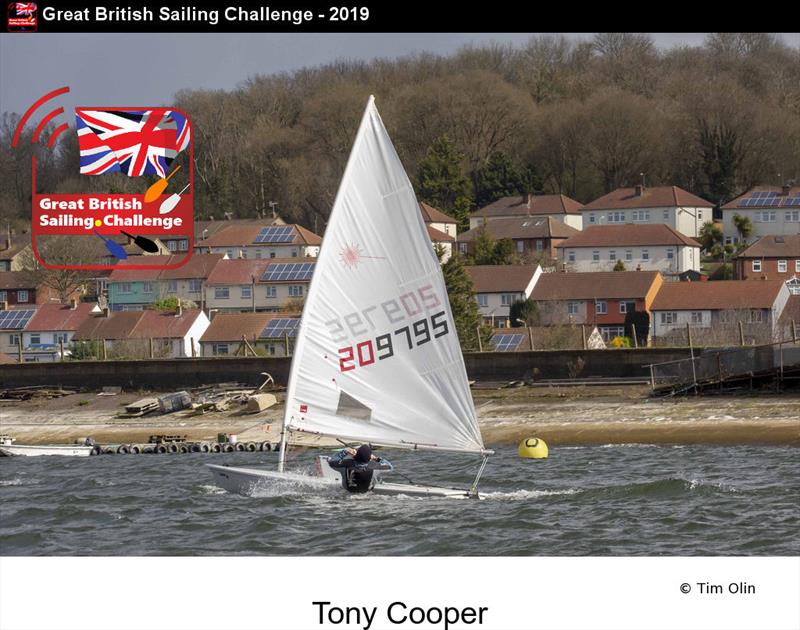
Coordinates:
column 377, row 358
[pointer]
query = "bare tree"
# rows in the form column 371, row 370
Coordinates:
column 62, row 251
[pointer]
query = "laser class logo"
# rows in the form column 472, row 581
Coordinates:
column 136, row 142
column 22, row 17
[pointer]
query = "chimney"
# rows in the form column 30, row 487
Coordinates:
column 785, row 190
column 529, row 199
column 179, row 312
column 73, row 304
column 639, row 190
column 8, row 236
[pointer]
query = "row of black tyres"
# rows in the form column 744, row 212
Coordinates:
column 182, row 447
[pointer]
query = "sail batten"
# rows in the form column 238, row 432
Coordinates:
column 377, row 357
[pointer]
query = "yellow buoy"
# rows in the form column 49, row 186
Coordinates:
column 533, row 448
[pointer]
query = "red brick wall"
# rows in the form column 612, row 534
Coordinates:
column 743, row 269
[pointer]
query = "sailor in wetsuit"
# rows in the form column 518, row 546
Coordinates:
column 357, row 466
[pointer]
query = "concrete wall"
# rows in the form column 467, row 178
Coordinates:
column 171, row 374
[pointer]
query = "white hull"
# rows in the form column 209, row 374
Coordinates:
column 249, row 480
column 10, row 450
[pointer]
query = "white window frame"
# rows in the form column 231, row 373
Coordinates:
column 592, row 218
column 628, row 255
column 22, row 296
column 483, row 299
column 670, row 253
column 272, row 291
column 571, row 256
column 596, row 255
column 573, row 308
column 36, row 339
column 612, row 255
column 172, row 286
column 601, row 307
column 222, row 293
column 217, row 349
column 195, row 285
column 669, row 317
column 797, row 265
column 539, row 245
column 62, row 336
column 124, row 287
column 246, row 292
column 172, row 246
column 520, row 246
column 3, row 296
column 645, row 254
column 296, row 290
column 696, row 317
column 623, row 306
column 147, row 287
column 13, row 339
column 183, row 245
column 666, row 214
column 782, row 266
column 756, row 266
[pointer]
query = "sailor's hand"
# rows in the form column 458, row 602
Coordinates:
column 350, row 451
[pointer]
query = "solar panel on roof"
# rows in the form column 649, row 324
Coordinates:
column 285, row 272
column 506, row 343
column 279, row 328
column 12, row 320
column 276, row 234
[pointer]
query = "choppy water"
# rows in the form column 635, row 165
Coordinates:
column 614, row 500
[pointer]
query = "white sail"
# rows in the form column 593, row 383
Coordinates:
column 377, row 358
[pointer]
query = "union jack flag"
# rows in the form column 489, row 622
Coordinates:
column 25, row 8
column 134, row 142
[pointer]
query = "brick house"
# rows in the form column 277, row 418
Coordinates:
column 51, row 326
column 265, row 333
column 600, row 299
column 715, row 310
column 261, row 240
column 645, row 247
column 772, row 210
column 535, row 235
column 497, row 287
column 678, row 208
column 772, row 257
column 559, row 207
column 16, row 287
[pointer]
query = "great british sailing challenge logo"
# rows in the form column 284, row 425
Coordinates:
column 22, row 17
column 134, row 142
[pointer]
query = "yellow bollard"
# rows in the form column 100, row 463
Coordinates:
column 533, row 448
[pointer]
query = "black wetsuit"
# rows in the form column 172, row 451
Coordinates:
column 357, row 476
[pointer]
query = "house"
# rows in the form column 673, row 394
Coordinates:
column 438, row 220
column 678, row 208
column 534, row 235
column 266, row 333
column 51, row 327
column 133, row 289
column 130, row 334
column 789, row 321
column 601, row 298
column 772, row 210
column 559, row 207
column 13, row 321
column 18, row 287
column 716, row 309
column 14, row 249
column 497, row 287
column 772, row 257
column 645, row 247
column 261, row 285
column 442, row 241
column 257, row 241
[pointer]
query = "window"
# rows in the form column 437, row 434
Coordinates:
column 172, row 246
column 521, row 246
column 229, row 252
column 623, row 307
column 670, row 253
column 507, row 299
column 781, row 266
column 666, row 214
column 62, row 337
column 36, row 339
column 183, row 245
column 697, row 317
column 669, row 317
column 609, row 332
column 765, row 216
column 612, row 255
column 792, row 216
column 797, row 265
column 219, row 348
column 616, row 217
column 222, row 293
column 699, row 215
column 756, row 266
column 591, row 217
column 641, row 215
column 272, row 292
column 629, row 255
column 22, row 296
column 3, row 296
column 272, row 254
column 462, row 247
column 756, row 317
column 572, row 308
column 600, row 307
column 539, row 245
column 295, row 290
column 483, row 299
column 13, row 340
column 595, row 256
column 125, row 287
column 294, row 253
column 645, row 254
column 271, row 349
column 195, row 285
column 172, row 286
column 147, row 287
column 247, row 292
column 728, row 240
column 571, row 256
column 258, row 254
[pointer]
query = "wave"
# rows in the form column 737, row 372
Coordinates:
column 11, row 482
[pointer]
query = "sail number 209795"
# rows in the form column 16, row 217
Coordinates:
column 382, row 347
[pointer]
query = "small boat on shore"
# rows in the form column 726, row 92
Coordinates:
column 9, row 449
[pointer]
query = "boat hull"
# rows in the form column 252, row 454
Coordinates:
column 16, row 450
column 248, row 481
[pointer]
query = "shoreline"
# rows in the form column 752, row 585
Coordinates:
column 562, row 416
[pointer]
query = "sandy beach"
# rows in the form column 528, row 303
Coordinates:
column 560, row 415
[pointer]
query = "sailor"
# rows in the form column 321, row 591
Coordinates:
column 357, row 466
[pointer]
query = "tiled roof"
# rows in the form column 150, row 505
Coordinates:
column 522, row 228
column 15, row 280
column 437, row 236
column 523, row 205
column 138, row 325
column 244, row 235
column 791, row 312
column 656, row 197
column 717, row 295
column 500, row 278
column 774, row 247
column 122, row 274
column 594, row 285
column 432, row 215
column 198, row 266
column 239, row 271
column 18, row 243
column 231, row 326
column 794, row 191
column 628, row 235
column 59, row 317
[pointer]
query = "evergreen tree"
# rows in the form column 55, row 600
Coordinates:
column 710, row 236
column 461, row 293
column 619, row 266
column 744, row 226
column 719, row 158
column 441, row 181
column 498, row 178
column 524, row 311
column 487, row 251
